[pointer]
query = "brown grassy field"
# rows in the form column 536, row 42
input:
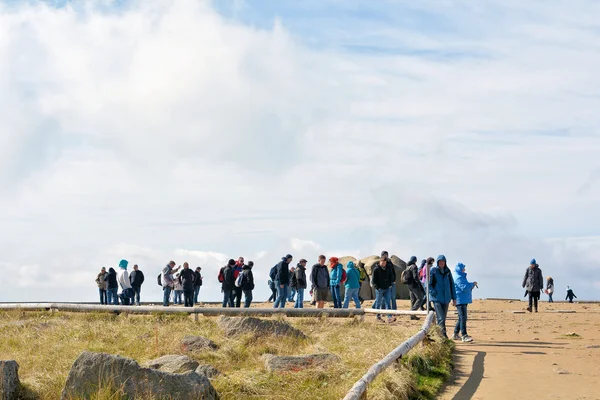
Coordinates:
column 45, row 345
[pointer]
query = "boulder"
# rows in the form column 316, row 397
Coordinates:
column 344, row 260
column 369, row 263
column 297, row 363
column 9, row 380
column 208, row 371
column 197, row 343
column 124, row 374
column 233, row 326
column 174, row 364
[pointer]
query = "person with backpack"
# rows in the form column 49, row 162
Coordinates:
column 271, row 283
column 570, row 294
column 381, row 280
column 236, row 293
column 101, row 283
column 410, row 277
column 299, row 283
column 197, row 284
column 186, row 280
column 282, row 280
column 464, row 297
column 112, row 287
column 335, row 278
column 137, row 278
column 533, row 282
column 227, row 283
column 352, row 285
column 125, row 291
column 292, row 287
column 167, row 281
column 364, row 277
column 441, row 291
column 247, row 283
column 320, row 282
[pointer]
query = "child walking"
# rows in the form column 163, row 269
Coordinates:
column 464, row 297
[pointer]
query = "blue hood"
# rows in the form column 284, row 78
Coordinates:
column 459, row 269
column 533, row 261
column 413, row 260
column 123, row 264
column 350, row 264
column 441, row 257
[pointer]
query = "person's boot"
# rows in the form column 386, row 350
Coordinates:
column 529, row 308
column 536, row 309
column 414, row 318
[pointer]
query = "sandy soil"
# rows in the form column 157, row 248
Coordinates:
column 528, row 356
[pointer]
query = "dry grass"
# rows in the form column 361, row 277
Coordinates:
column 45, row 345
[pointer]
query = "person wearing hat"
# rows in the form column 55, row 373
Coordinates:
column 125, row 291
column 533, row 282
column 441, row 291
column 570, row 294
column 299, row 282
column 417, row 293
column 282, row 280
column 335, row 279
column 197, row 284
column 101, row 283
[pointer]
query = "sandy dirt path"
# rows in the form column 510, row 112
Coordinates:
column 528, row 356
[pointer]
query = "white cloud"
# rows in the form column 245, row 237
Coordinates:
column 164, row 130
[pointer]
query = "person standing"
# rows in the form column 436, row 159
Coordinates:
column 236, row 292
column 136, row 278
column 125, row 292
column 363, row 277
column 320, row 282
column 441, row 291
column 352, row 285
column 415, row 287
column 533, row 282
column 464, row 297
column 168, row 281
column 101, row 283
column 300, row 283
column 292, row 286
column 197, row 284
column 112, row 287
column 382, row 283
column 570, row 294
column 247, row 285
column 227, row 283
column 272, row 273
column 187, row 277
column 282, row 280
column 177, row 290
column 392, row 271
column 335, row 278
column 550, row 288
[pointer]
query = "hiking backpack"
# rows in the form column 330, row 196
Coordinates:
column 344, row 276
column 273, row 273
column 406, row 277
column 159, row 279
column 239, row 280
column 221, row 275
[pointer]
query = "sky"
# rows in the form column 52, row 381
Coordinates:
column 206, row 130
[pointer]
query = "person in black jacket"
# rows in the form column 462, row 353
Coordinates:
column 282, row 280
column 381, row 280
column 227, row 283
column 187, row 277
column 417, row 293
column 299, row 282
column 320, row 282
column 392, row 272
column 112, row 287
column 570, row 294
column 247, row 285
column 197, row 284
column 533, row 282
column 136, row 278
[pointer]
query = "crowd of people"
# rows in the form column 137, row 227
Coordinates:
column 288, row 284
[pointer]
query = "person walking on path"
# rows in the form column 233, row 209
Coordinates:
column 441, row 291
column 227, row 283
column 382, row 283
column 282, row 280
column 125, row 292
column 136, row 278
column 550, row 288
column 533, row 282
column 299, row 283
column 168, row 281
column 464, row 297
column 320, row 282
column 352, row 285
column 292, row 291
column 271, row 283
column 417, row 293
column 101, row 283
column 335, row 278
column 112, row 287
column 236, row 293
column 247, row 285
column 187, row 278
column 570, row 294
column 197, row 284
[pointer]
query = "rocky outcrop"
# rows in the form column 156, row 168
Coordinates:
column 174, row 364
column 92, row 370
column 197, row 343
column 208, row 371
column 298, row 363
column 233, row 326
column 9, row 380
column 399, row 266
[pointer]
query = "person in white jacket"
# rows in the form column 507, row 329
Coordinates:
column 125, row 290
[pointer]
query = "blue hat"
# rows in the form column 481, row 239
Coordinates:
column 123, row 264
column 532, row 261
column 413, row 260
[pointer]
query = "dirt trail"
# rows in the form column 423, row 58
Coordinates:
column 528, row 356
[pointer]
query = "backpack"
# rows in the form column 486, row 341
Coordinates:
column 159, row 279
column 239, row 280
column 221, row 275
column 344, row 276
column 406, row 277
column 273, row 273
column 362, row 275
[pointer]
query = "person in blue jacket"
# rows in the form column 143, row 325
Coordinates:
column 335, row 279
column 464, row 297
column 352, row 285
column 441, row 291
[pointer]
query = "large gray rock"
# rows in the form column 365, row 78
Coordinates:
column 174, row 364
column 92, row 370
column 402, row 291
column 208, row 371
column 233, row 326
column 197, row 343
column 297, row 363
column 9, row 380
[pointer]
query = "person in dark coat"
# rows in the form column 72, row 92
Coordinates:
column 136, row 278
column 441, row 291
column 299, row 282
column 236, row 293
column 320, row 282
column 417, row 293
column 227, row 283
column 392, row 272
column 247, row 285
column 570, row 294
column 112, row 287
column 282, row 280
column 187, row 277
column 533, row 282
column 197, row 284
column 381, row 280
